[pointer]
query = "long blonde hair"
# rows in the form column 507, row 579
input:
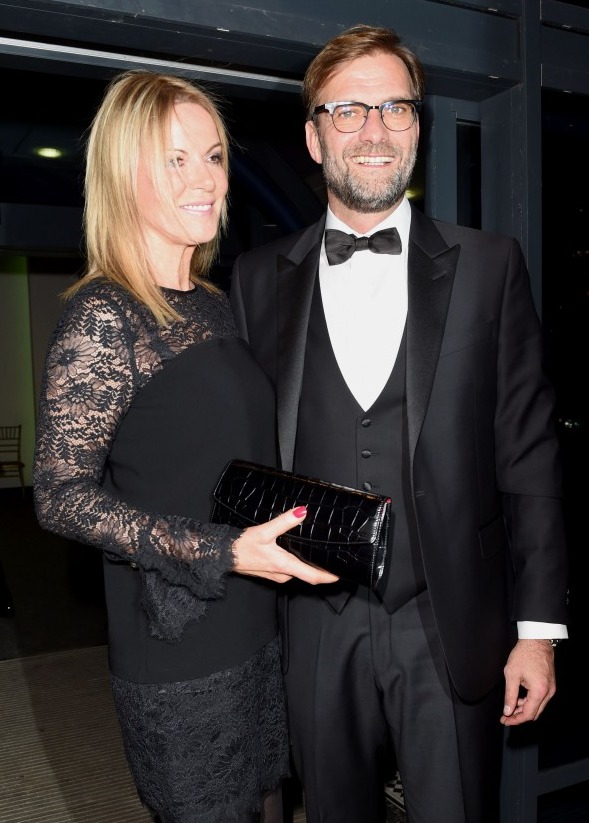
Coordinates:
column 134, row 115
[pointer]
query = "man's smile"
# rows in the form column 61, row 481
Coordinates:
column 372, row 160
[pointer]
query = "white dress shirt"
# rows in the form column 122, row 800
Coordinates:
column 365, row 305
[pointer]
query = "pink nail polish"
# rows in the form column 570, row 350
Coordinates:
column 300, row 511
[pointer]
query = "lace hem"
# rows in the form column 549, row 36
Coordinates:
column 207, row 750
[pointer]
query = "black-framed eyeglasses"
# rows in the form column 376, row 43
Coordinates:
column 350, row 116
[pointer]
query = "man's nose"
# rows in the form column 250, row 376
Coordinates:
column 373, row 128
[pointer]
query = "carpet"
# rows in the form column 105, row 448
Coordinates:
column 61, row 756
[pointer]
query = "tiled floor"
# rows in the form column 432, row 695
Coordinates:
column 59, row 606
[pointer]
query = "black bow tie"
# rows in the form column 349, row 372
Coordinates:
column 340, row 246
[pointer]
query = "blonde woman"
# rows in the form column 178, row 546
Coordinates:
column 148, row 391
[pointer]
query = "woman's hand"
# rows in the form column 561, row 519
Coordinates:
column 257, row 553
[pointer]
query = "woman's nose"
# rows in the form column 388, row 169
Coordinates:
column 198, row 176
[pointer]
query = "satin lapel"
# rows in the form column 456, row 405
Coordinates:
column 296, row 280
column 432, row 265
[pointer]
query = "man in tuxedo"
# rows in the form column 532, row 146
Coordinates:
column 409, row 363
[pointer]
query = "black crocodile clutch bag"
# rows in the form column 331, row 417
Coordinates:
column 345, row 530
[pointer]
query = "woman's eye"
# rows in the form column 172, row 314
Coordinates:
column 176, row 161
column 216, row 158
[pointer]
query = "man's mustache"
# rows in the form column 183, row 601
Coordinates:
column 377, row 149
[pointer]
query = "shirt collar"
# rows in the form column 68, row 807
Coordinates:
column 400, row 218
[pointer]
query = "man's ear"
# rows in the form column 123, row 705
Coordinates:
column 313, row 144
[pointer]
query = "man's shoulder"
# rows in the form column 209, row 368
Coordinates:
column 280, row 245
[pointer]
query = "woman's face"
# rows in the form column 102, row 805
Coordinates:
column 198, row 182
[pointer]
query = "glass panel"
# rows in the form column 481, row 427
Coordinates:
column 42, row 111
column 565, row 301
column 565, row 290
column 275, row 187
column 468, row 164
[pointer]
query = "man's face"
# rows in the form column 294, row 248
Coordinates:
column 366, row 172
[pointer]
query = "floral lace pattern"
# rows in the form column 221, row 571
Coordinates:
column 207, row 750
column 105, row 349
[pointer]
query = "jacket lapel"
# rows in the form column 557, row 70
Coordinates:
column 296, row 281
column 432, row 265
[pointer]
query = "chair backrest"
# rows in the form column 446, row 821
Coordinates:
column 10, row 444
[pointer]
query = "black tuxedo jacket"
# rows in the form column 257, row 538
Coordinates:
column 484, row 463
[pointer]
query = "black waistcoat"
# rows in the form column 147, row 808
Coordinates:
column 340, row 442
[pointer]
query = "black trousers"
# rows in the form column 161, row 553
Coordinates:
column 364, row 683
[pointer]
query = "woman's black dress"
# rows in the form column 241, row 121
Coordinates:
column 136, row 423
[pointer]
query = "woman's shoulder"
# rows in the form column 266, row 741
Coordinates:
column 98, row 309
column 104, row 300
column 100, row 291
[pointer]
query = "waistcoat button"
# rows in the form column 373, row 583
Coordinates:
column 366, row 453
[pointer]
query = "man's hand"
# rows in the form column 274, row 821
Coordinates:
column 531, row 667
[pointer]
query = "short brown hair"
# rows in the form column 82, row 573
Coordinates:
column 359, row 41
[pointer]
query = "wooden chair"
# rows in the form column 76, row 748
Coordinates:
column 11, row 464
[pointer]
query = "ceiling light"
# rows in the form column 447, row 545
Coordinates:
column 48, row 151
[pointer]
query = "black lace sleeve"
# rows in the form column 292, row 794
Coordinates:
column 90, row 378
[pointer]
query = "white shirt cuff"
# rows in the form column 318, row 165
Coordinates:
column 531, row 630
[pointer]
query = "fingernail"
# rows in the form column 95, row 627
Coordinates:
column 300, row 511
column 506, row 709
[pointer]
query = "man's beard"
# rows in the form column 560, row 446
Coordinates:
column 368, row 196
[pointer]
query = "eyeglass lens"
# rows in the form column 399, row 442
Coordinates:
column 396, row 116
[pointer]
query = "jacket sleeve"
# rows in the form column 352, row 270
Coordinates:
column 528, row 463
